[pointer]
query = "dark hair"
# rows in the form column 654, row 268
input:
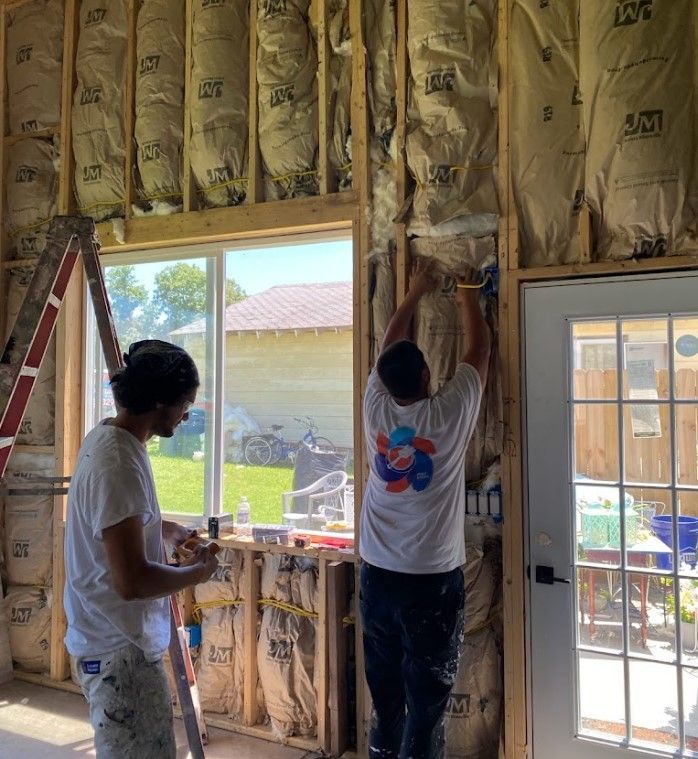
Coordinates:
column 154, row 372
column 400, row 368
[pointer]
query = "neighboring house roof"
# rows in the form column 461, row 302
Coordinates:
column 324, row 305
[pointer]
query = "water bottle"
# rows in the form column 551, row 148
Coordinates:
column 242, row 527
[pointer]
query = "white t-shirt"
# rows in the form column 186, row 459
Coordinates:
column 113, row 481
column 413, row 514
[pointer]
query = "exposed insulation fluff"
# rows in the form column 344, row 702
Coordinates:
column 475, row 706
column 287, row 99
column 547, row 133
column 340, row 67
column 159, row 105
column 218, row 103
column 28, row 610
column 28, row 534
column 637, row 81
column 98, row 108
column 381, row 44
column 38, row 422
column 440, row 331
column 34, row 55
column 31, row 187
column 452, row 126
column 286, row 648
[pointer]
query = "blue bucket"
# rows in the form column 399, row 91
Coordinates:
column 663, row 527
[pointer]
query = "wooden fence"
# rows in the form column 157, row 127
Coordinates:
column 647, row 459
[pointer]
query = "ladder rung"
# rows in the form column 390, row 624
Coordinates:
column 54, row 301
column 5, row 442
column 29, row 371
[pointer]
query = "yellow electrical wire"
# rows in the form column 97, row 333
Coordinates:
column 220, row 603
column 29, row 227
column 221, row 185
column 487, row 278
column 288, row 607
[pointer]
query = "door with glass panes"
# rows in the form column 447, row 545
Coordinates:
column 611, row 396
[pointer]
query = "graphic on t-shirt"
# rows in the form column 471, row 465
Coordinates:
column 404, row 460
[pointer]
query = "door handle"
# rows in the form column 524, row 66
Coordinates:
column 546, row 576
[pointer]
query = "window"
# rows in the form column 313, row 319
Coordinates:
column 270, row 329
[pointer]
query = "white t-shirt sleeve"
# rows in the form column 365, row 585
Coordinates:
column 117, row 494
column 463, row 393
column 375, row 390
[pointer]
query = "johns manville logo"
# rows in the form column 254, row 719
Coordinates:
column 440, row 80
column 95, row 16
column 149, row 64
column 281, row 95
column 24, row 54
column 644, row 124
column 92, row 174
column 629, row 12
column 91, row 96
column 210, row 88
column 150, row 151
column 26, row 174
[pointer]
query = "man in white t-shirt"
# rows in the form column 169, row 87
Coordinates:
column 412, row 528
column 117, row 584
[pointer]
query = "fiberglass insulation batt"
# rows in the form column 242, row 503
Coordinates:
column 159, row 114
column 218, row 102
column 98, row 108
column 451, row 119
column 287, row 99
column 638, row 86
column 547, row 134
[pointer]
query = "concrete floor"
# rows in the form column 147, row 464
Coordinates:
column 43, row 723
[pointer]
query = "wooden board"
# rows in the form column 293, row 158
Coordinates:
column 250, row 592
column 321, row 660
column 130, row 194
column 255, row 182
column 189, row 197
column 402, row 262
column 337, row 610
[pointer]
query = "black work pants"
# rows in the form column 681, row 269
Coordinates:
column 412, row 627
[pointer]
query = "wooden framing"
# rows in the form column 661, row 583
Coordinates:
column 130, row 194
column 402, row 258
column 330, row 210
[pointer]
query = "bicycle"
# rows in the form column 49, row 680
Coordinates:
column 271, row 447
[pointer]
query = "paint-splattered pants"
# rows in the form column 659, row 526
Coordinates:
column 412, row 627
column 130, row 706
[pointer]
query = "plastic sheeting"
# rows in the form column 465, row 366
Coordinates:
column 287, row 99
column 159, row 100
column 547, row 135
column 34, row 55
column 637, row 81
column 31, row 189
column 28, row 610
column 38, row 422
column 451, row 141
column 98, row 108
column 218, row 102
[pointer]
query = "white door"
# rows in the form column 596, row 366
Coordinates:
column 611, row 393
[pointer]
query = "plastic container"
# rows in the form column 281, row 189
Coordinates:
column 663, row 527
column 242, row 522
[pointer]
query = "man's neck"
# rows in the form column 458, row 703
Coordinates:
column 137, row 424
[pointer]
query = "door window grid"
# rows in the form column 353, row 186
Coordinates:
column 642, row 418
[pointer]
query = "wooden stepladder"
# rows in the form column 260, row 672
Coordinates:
column 68, row 238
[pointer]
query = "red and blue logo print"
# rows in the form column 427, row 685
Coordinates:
column 404, row 460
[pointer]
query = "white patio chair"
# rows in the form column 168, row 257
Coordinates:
column 325, row 501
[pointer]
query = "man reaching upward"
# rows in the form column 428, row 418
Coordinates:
column 412, row 527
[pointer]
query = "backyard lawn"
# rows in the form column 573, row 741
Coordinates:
column 180, row 487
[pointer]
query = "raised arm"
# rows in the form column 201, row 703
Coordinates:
column 477, row 340
column 422, row 281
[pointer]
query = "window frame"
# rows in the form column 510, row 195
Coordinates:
column 216, row 256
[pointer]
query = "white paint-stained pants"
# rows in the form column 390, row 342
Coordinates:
column 130, row 705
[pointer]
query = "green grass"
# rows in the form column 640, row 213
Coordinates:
column 180, row 486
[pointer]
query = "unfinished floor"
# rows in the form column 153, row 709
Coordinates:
column 47, row 723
